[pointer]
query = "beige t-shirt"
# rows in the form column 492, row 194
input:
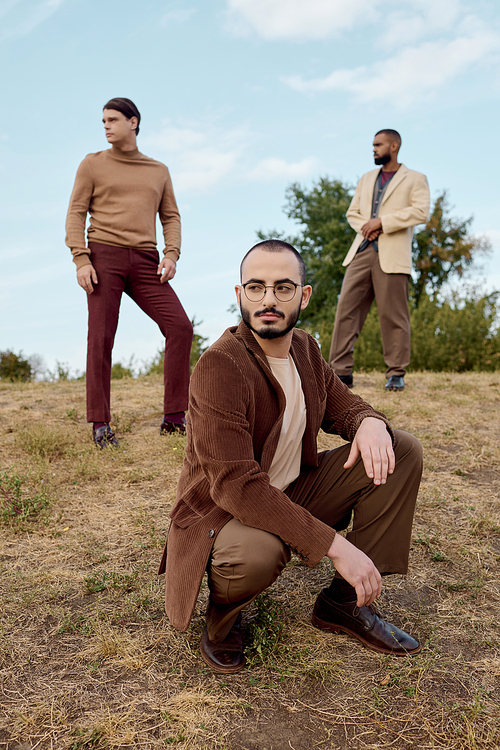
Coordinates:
column 286, row 463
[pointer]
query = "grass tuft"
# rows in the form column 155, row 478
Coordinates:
column 18, row 503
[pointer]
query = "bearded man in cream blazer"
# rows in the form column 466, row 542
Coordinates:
column 387, row 204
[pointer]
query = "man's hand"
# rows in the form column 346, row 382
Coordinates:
column 166, row 270
column 371, row 229
column 357, row 569
column 85, row 276
column 374, row 443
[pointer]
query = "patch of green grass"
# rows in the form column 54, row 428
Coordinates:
column 101, row 580
column 265, row 633
column 86, row 738
column 173, row 740
column 45, row 441
column 123, row 422
column 73, row 415
column 18, row 503
column 78, row 624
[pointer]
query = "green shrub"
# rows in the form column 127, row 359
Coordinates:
column 118, row 371
column 457, row 334
column 454, row 334
column 14, row 368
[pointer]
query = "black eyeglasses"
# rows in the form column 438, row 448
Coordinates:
column 284, row 291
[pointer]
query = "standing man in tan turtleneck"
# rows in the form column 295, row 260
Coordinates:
column 123, row 191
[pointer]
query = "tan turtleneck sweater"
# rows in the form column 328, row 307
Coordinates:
column 123, row 191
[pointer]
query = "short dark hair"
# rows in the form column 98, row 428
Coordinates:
column 126, row 107
column 278, row 246
column 392, row 134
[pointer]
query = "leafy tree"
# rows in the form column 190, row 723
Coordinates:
column 14, row 367
column 442, row 249
column 324, row 240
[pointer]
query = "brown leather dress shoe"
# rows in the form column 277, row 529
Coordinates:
column 365, row 624
column 226, row 656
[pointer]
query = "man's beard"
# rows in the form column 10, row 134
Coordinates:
column 382, row 159
column 268, row 331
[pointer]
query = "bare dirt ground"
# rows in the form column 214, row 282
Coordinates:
column 88, row 659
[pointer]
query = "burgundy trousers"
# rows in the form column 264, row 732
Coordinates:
column 133, row 271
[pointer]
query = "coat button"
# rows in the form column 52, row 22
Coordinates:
column 211, row 533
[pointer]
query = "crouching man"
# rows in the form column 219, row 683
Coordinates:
column 253, row 486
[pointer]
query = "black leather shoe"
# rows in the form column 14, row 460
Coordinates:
column 226, row 656
column 104, row 437
column 395, row 383
column 347, row 380
column 168, row 428
column 365, row 624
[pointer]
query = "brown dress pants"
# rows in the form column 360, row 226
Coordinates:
column 363, row 282
column 133, row 271
column 246, row 560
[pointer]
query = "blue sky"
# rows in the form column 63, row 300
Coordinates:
column 239, row 98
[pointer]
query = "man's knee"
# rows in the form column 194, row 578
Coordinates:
column 246, row 565
column 265, row 561
column 408, row 447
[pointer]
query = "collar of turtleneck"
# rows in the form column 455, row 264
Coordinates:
column 118, row 153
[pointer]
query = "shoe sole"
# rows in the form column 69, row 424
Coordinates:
column 223, row 670
column 322, row 625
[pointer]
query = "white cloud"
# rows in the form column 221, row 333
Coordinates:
column 204, row 168
column 411, row 74
column 417, row 19
column 32, row 17
column 273, row 168
column 297, row 19
column 200, row 155
column 177, row 16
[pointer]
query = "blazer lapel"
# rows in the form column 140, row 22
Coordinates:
column 367, row 194
column 271, row 442
column 311, row 397
column 396, row 180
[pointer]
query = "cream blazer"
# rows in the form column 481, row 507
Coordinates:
column 406, row 202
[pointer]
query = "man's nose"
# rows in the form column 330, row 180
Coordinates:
column 269, row 297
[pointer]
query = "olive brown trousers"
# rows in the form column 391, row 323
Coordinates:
column 247, row 560
column 363, row 282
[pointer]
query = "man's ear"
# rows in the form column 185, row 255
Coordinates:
column 306, row 296
column 237, row 289
column 133, row 123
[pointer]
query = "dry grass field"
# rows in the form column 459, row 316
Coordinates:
column 89, row 661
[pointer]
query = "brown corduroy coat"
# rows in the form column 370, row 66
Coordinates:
column 236, row 409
